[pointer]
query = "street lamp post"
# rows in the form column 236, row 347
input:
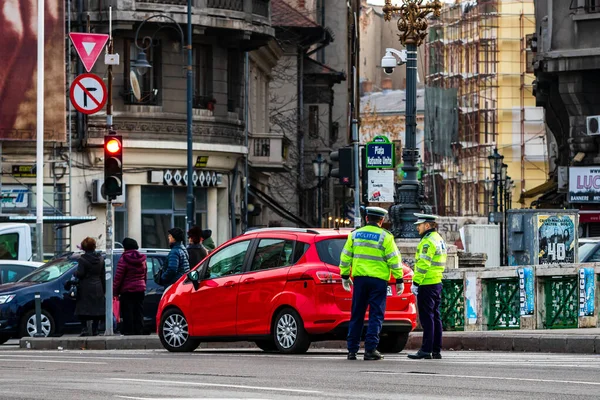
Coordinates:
column 495, row 160
column 412, row 25
column 141, row 64
column 489, row 188
column 320, row 174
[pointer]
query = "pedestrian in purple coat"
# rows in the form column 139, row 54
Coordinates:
column 130, row 286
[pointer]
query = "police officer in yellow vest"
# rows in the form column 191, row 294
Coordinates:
column 427, row 285
column 370, row 256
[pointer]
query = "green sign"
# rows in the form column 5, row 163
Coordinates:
column 380, row 153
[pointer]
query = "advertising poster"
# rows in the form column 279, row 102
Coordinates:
column 556, row 238
column 381, row 186
column 18, row 76
column 586, row 292
column 526, row 292
column 471, row 297
column 584, row 185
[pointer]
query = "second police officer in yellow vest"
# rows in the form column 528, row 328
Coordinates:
column 427, row 285
column 370, row 256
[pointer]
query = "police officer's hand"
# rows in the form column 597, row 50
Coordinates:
column 399, row 287
column 414, row 289
column 347, row 284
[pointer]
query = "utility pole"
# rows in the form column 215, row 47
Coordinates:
column 356, row 110
column 190, row 142
column 109, row 209
column 39, row 177
column 412, row 25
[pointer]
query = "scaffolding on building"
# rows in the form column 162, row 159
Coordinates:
column 479, row 48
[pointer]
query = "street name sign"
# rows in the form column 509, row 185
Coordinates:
column 88, row 93
column 88, row 46
column 380, row 153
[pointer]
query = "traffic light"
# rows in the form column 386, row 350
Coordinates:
column 113, row 166
column 344, row 170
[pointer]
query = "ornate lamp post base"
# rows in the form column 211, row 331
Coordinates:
column 410, row 197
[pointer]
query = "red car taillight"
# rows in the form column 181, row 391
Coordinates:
column 323, row 277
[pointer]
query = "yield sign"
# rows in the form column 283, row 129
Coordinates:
column 88, row 93
column 88, row 46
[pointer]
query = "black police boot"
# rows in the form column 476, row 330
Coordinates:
column 351, row 356
column 373, row 355
column 420, row 355
column 437, row 356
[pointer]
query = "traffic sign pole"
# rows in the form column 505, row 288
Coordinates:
column 109, row 208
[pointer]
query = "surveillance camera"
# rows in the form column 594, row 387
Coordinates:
column 388, row 63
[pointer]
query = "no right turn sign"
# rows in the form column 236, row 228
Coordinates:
column 88, row 93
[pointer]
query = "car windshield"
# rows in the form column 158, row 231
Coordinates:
column 585, row 249
column 329, row 250
column 50, row 271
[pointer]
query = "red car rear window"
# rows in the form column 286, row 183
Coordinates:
column 329, row 250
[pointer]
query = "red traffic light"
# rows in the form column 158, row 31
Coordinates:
column 113, row 146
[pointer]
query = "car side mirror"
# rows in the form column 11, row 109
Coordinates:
column 194, row 277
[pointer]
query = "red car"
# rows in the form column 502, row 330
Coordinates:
column 278, row 287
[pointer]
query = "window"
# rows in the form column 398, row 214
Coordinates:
column 50, row 271
column 228, row 261
column 592, row 6
column 150, row 81
column 12, row 273
column 262, row 147
column 154, row 264
column 313, row 121
column 233, row 80
column 9, row 246
column 272, row 253
column 329, row 250
column 203, row 77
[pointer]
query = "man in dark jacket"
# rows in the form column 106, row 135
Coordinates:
column 130, row 286
column 178, row 262
column 196, row 251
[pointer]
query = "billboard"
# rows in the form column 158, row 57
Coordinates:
column 18, row 72
column 584, row 185
column 556, row 238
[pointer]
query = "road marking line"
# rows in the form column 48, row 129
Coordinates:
column 2, row 356
column 182, row 398
column 53, row 361
column 273, row 389
column 433, row 375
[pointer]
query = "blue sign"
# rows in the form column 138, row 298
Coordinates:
column 380, row 153
column 526, row 290
column 586, row 292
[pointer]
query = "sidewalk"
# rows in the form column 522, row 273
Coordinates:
column 584, row 341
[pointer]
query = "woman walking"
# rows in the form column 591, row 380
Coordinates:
column 89, row 305
column 130, row 286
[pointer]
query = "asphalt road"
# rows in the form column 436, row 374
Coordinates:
column 250, row 374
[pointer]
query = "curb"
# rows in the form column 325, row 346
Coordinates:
column 475, row 341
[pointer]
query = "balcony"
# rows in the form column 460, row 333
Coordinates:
column 248, row 16
column 265, row 152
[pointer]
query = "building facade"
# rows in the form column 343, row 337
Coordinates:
column 567, row 65
column 152, row 121
column 480, row 49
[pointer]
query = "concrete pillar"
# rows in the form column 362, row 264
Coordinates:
column 134, row 212
column 212, row 213
column 223, row 216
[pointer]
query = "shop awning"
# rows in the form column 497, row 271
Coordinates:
column 545, row 187
column 48, row 219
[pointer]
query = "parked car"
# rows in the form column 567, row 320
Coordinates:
column 279, row 287
column 13, row 270
column 17, row 305
column 589, row 250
